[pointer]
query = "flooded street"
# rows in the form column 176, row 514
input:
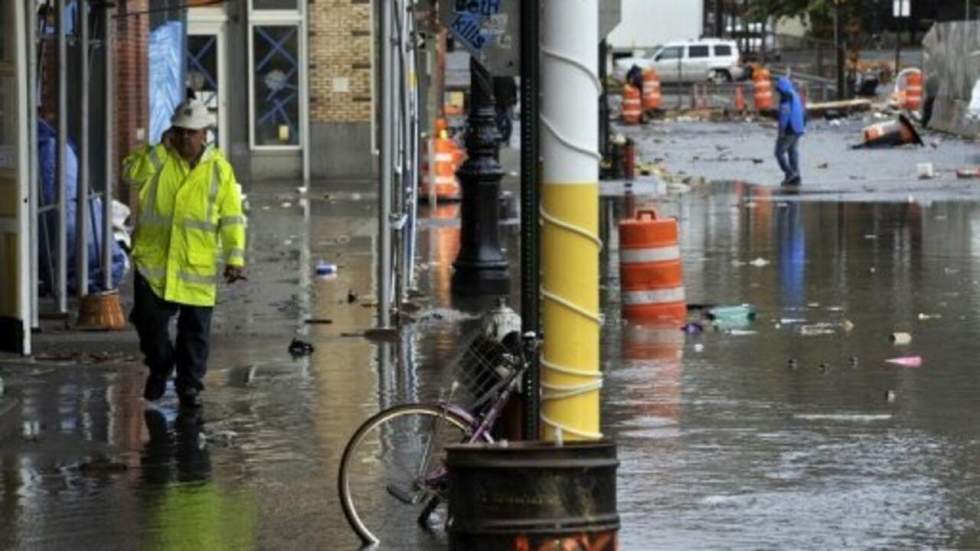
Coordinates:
column 788, row 431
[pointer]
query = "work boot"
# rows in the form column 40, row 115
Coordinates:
column 190, row 397
column 794, row 181
column 155, row 387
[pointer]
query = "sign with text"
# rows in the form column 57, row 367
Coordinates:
column 488, row 29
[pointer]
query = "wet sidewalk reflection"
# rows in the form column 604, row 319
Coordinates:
column 787, row 431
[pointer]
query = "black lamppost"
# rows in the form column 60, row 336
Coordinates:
column 481, row 268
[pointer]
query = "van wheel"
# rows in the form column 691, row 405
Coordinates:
column 720, row 77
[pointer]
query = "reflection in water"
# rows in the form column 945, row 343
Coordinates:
column 180, row 455
column 792, row 254
column 722, row 445
column 758, row 445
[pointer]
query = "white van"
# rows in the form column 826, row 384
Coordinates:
column 711, row 59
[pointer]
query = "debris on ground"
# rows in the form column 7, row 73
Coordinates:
column 968, row 173
column 926, row 317
column 817, row 329
column 901, row 131
column 890, row 396
column 692, row 328
column 837, row 109
column 298, row 348
column 324, row 269
column 925, row 171
column 900, row 338
column 906, row 361
column 741, row 312
column 318, row 321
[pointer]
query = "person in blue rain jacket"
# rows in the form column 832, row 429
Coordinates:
column 792, row 126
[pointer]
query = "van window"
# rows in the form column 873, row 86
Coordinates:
column 673, row 52
column 723, row 51
column 698, row 51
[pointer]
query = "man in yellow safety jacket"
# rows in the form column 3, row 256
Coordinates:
column 189, row 211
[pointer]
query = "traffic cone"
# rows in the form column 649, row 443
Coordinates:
column 739, row 99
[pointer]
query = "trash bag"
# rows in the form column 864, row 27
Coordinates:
column 47, row 164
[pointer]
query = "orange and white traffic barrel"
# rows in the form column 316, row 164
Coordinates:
column 652, row 97
column 439, row 169
column 632, row 108
column 762, row 81
column 913, row 91
column 650, row 270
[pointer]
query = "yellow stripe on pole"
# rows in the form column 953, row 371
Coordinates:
column 570, row 376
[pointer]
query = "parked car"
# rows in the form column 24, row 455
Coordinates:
column 709, row 59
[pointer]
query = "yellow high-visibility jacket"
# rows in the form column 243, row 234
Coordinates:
column 182, row 214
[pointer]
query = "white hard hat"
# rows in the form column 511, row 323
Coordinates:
column 192, row 115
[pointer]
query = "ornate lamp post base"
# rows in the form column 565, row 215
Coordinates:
column 481, row 267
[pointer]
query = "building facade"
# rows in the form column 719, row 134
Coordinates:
column 290, row 83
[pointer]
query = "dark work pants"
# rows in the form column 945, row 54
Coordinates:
column 151, row 315
column 788, row 155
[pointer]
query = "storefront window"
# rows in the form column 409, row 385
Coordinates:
column 275, row 85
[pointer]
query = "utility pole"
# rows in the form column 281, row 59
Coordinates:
column 530, row 247
column 386, row 166
column 719, row 19
column 902, row 10
column 570, row 244
column 839, row 49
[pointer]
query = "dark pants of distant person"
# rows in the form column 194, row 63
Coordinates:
column 151, row 315
column 788, row 155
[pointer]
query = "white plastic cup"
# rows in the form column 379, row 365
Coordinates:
column 926, row 171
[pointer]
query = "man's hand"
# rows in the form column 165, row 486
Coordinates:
column 234, row 273
column 168, row 139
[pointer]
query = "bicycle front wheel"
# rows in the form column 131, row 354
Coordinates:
column 392, row 470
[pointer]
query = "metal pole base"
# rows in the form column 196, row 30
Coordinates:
column 481, row 267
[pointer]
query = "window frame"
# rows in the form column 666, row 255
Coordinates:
column 280, row 18
column 665, row 49
column 706, row 50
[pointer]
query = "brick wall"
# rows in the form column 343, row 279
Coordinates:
column 132, row 81
column 340, row 54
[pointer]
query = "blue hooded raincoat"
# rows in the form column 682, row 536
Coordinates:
column 791, row 112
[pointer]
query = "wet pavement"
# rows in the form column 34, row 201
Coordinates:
column 788, row 431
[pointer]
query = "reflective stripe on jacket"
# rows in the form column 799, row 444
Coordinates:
column 182, row 217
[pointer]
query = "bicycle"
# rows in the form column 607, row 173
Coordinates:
column 392, row 467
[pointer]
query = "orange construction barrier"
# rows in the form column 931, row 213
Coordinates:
column 739, row 99
column 762, row 81
column 913, row 91
column 652, row 98
column 650, row 272
column 897, row 132
column 439, row 167
column 632, row 110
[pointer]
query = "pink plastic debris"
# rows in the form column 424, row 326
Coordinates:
column 906, row 361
